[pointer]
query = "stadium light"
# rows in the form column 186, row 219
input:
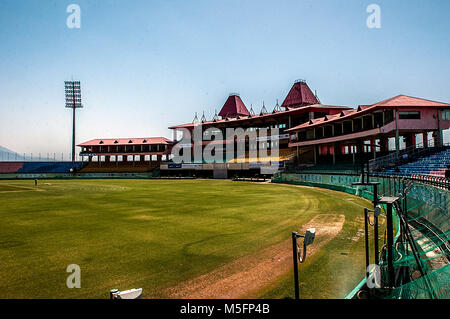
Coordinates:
column 308, row 239
column 73, row 101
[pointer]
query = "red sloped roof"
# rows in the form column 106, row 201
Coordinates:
column 295, row 110
column 404, row 100
column 126, row 141
column 300, row 94
column 233, row 107
column 396, row 101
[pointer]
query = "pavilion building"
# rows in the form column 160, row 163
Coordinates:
column 125, row 154
column 381, row 128
column 299, row 106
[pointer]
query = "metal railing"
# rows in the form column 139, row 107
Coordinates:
column 406, row 155
column 436, row 181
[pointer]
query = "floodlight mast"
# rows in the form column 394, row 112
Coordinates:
column 73, row 101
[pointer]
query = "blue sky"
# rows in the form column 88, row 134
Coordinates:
column 146, row 65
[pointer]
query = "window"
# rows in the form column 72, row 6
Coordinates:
column 446, row 115
column 388, row 116
column 409, row 115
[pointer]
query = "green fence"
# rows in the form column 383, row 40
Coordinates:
column 425, row 209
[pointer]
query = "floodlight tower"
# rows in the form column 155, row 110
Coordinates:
column 73, row 101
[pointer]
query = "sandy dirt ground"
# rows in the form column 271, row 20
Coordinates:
column 246, row 276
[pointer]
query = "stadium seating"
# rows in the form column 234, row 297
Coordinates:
column 120, row 167
column 433, row 165
column 10, row 167
column 283, row 155
column 340, row 168
column 38, row 167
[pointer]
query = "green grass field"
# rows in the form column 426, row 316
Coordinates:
column 156, row 234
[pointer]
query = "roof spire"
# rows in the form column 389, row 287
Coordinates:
column 299, row 95
column 277, row 108
column 203, row 117
column 233, row 107
column 263, row 110
column 252, row 113
column 195, row 118
column 216, row 117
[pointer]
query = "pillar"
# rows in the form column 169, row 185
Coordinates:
column 315, row 155
column 384, row 145
column 410, row 140
column 353, row 149
column 374, row 148
column 437, row 138
column 334, row 153
column 397, row 137
column 425, row 139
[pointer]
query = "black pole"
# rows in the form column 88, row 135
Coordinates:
column 375, row 225
column 390, row 244
column 360, row 151
column 366, row 238
column 368, row 165
column 405, row 206
column 295, row 259
column 375, row 234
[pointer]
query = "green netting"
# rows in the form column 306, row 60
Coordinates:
column 425, row 209
column 435, row 285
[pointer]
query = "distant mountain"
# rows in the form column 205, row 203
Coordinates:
column 6, row 155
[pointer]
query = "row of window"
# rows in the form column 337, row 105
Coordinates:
column 359, row 124
column 117, row 142
column 129, row 158
column 250, row 129
column 124, row 149
column 409, row 115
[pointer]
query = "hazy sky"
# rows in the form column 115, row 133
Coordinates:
column 146, row 65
